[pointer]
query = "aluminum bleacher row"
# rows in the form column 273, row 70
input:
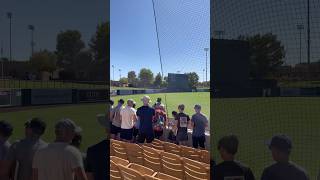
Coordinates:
column 158, row 160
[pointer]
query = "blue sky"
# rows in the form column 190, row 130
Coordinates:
column 49, row 17
column 184, row 32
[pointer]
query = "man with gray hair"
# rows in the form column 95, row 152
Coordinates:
column 60, row 160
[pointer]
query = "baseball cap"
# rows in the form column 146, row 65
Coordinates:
column 5, row 128
column 68, row 124
column 37, row 125
column 281, row 142
column 146, row 98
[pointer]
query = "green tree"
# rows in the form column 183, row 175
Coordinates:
column 193, row 79
column 132, row 78
column 83, row 65
column 123, row 80
column 43, row 61
column 158, row 81
column 145, row 77
column 100, row 42
column 69, row 44
column 266, row 54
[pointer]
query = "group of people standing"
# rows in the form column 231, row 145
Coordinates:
column 148, row 122
column 31, row 158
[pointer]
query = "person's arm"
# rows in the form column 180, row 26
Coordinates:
column 80, row 173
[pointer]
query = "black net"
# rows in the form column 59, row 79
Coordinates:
column 279, row 92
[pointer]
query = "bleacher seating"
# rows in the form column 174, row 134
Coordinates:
column 157, row 161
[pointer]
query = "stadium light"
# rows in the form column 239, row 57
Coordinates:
column 2, row 59
column 300, row 27
column 31, row 28
column 9, row 16
column 113, row 72
column 120, row 74
column 206, row 50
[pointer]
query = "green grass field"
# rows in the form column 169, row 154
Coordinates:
column 255, row 120
column 174, row 99
column 83, row 115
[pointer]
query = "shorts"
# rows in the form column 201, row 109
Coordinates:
column 135, row 132
column 158, row 134
column 126, row 134
column 182, row 135
column 171, row 136
column 198, row 141
column 149, row 137
column 115, row 129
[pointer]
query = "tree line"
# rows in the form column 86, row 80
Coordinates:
column 146, row 79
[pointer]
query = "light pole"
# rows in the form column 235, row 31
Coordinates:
column 2, row 59
column 9, row 16
column 203, row 75
column 308, row 29
column 300, row 28
column 31, row 28
column 206, row 50
column 113, row 72
column 120, row 74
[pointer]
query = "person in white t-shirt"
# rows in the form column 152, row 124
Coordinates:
column 128, row 119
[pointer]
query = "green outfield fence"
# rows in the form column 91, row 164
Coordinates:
column 36, row 84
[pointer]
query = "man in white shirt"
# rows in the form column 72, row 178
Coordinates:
column 128, row 118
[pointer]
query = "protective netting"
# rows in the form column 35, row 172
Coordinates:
column 256, row 119
column 184, row 32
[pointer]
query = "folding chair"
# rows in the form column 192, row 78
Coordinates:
column 141, row 169
column 190, row 153
column 130, row 174
column 157, row 144
column 195, row 170
column 205, row 156
column 118, row 160
column 115, row 173
column 134, row 153
column 119, row 151
column 160, row 176
column 151, row 158
column 171, row 148
column 172, row 165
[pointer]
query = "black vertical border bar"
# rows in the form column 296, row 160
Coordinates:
column 108, row 89
column 212, row 160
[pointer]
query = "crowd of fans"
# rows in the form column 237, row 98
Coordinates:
column 283, row 169
column 149, row 122
column 34, row 159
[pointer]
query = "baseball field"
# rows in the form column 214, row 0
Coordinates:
column 256, row 120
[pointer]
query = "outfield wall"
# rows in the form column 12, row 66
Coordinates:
column 32, row 97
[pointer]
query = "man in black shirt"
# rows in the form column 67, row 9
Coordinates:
column 282, row 169
column 230, row 169
column 97, row 164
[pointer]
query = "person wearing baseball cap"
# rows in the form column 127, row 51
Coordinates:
column 22, row 152
column 97, row 155
column 145, row 115
column 60, row 160
column 283, row 169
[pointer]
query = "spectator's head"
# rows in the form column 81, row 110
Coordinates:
column 228, row 147
column 76, row 141
column 174, row 113
column 146, row 100
column 111, row 102
column 134, row 105
column 5, row 130
column 181, row 107
column 130, row 102
column 35, row 127
column 120, row 102
column 159, row 100
column 65, row 130
column 197, row 108
column 280, row 146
